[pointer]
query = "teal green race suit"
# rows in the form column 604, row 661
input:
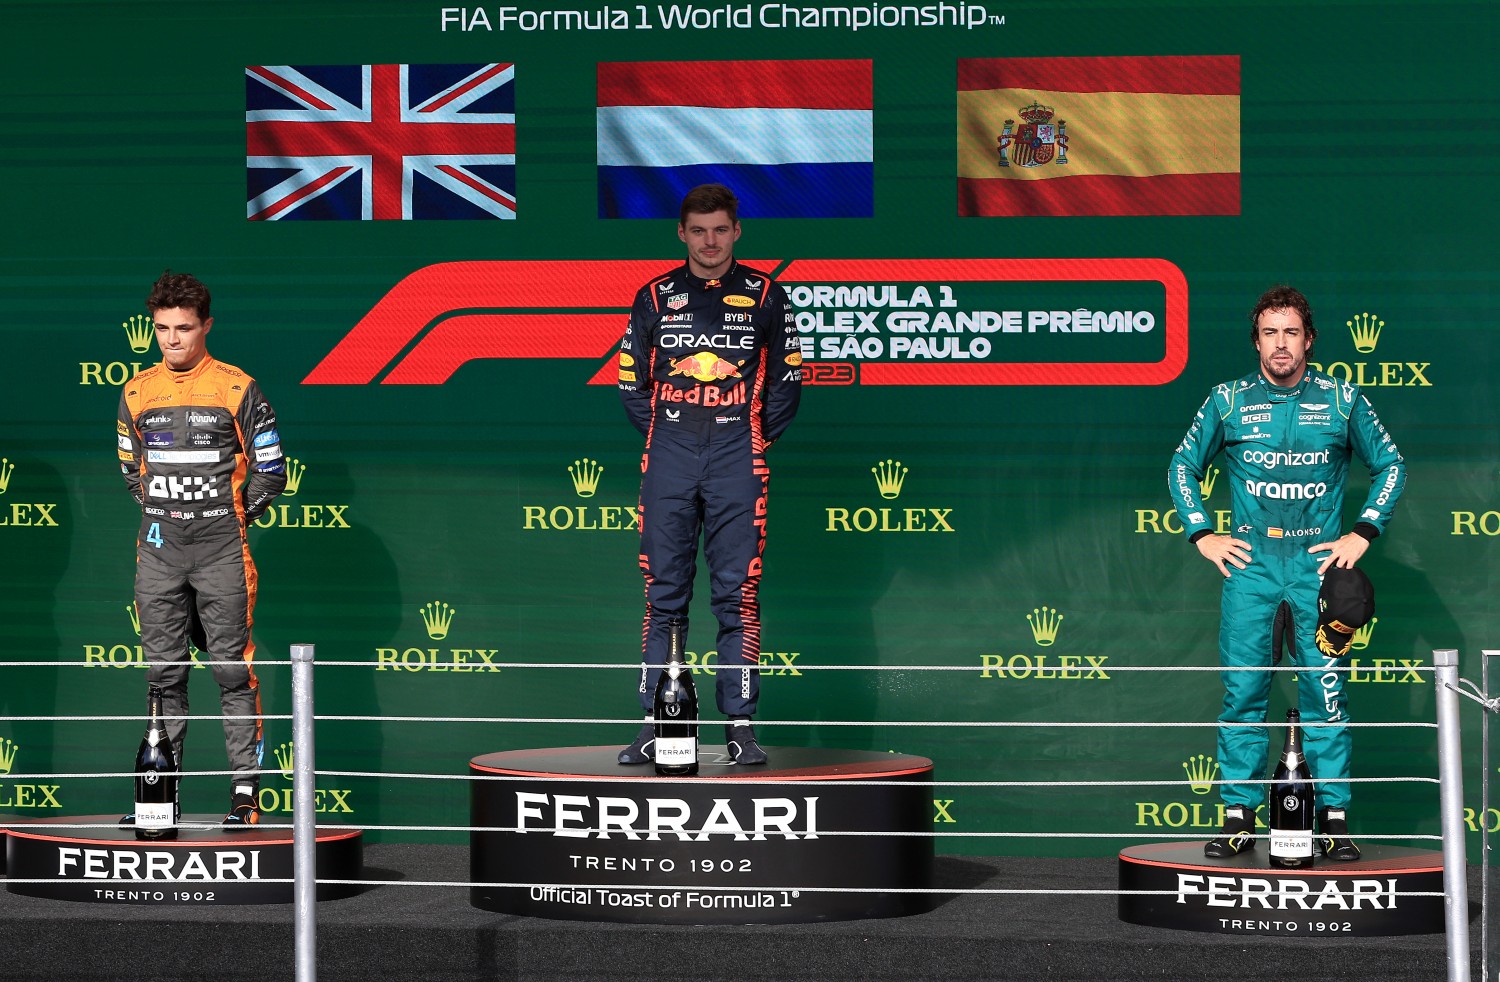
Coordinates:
column 1286, row 454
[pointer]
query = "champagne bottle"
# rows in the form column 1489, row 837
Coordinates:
column 1292, row 802
column 676, row 710
column 156, row 778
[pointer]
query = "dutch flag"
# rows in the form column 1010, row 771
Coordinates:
column 793, row 139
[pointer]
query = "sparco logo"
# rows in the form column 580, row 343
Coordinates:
column 580, row 817
column 1287, row 492
column 1272, row 459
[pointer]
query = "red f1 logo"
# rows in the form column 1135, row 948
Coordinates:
column 442, row 316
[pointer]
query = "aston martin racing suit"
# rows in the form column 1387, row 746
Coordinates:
column 1286, row 454
column 710, row 374
column 200, row 451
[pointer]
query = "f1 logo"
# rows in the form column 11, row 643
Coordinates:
column 441, row 317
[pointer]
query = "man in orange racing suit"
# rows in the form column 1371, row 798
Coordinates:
column 710, row 374
column 199, row 449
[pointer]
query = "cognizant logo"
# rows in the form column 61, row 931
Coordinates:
column 1272, row 459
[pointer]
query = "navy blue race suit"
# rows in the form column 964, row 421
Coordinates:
column 1286, row 454
column 709, row 372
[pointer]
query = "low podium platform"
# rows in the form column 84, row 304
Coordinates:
column 1246, row 895
column 733, row 845
column 111, row 866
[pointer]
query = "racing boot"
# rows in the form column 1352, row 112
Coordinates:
column 1333, row 836
column 643, row 749
column 1237, row 835
column 739, row 740
column 244, row 809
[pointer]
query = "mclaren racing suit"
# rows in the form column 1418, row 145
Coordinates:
column 1286, row 454
column 200, row 451
column 710, row 374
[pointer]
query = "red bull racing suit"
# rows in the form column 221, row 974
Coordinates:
column 709, row 372
column 200, row 451
column 1286, row 457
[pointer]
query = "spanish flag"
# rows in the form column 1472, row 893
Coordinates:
column 1099, row 136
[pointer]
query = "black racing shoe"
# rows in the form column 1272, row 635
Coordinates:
column 1333, row 836
column 244, row 814
column 1237, row 835
column 739, row 739
column 642, row 750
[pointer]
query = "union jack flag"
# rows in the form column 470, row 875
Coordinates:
column 361, row 142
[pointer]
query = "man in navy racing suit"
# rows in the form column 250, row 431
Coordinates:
column 709, row 372
column 1287, row 432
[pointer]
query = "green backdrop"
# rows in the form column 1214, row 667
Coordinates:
column 1368, row 170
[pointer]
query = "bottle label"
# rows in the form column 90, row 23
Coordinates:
column 676, row 750
column 1294, row 845
column 153, row 816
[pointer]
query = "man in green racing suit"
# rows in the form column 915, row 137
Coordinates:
column 1287, row 432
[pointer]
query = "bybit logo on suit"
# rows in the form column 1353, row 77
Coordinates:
column 890, row 479
column 585, row 474
column 437, row 618
column 1045, row 624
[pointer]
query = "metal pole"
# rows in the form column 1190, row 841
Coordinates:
column 1484, row 823
column 304, row 828
column 1451, row 784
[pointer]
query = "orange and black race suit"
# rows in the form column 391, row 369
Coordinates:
column 710, row 374
column 200, row 451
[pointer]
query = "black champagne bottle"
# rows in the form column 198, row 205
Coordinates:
column 1292, row 802
column 676, row 710
column 156, row 778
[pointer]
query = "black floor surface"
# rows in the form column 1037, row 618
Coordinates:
column 413, row 932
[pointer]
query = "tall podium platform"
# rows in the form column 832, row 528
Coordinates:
column 807, row 837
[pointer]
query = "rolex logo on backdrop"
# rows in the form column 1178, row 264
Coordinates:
column 1165, row 521
column 889, row 483
column 15, row 513
column 281, row 799
column 437, row 618
column 1366, row 670
column 139, row 332
column 1366, row 331
column 20, row 794
column 1181, row 811
column 1046, row 626
column 301, row 514
column 120, row 654
column 1201, row 771
column 584, row 475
